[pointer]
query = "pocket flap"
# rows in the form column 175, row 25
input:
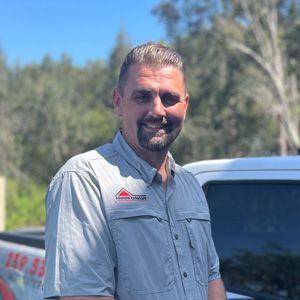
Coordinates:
column 136, row 212
column 193, row 215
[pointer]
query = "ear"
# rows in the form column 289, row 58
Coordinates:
column 186, row 104
column 116, row 100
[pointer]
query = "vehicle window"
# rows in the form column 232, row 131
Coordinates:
column 256, row 229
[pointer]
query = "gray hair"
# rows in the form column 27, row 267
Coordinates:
column 150, row 54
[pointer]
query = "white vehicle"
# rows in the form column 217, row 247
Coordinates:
column 255, row 215
column 255, row 211
column 22, row 264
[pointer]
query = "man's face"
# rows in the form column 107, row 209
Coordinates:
column 152, row 107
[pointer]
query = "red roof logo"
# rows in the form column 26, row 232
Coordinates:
column 124, row 196
column 124, row 193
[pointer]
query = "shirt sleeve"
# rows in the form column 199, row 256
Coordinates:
column 214, row 267
column 80, row 256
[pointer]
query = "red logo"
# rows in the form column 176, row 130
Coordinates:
column 124, row 196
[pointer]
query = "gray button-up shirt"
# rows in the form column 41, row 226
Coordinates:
column 113, row 230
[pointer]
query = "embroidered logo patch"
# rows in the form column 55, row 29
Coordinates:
column 124, row 196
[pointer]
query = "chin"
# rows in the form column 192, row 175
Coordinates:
column 156, row 144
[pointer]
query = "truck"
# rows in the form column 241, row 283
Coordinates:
column 255, row 217
column 22, row 264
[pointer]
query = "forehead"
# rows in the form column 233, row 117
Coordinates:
column 165, row 77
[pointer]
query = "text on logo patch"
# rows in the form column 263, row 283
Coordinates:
column 124, row 195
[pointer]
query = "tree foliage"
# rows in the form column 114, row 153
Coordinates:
column 239, row 107
column 25, row 205
column 242, row 68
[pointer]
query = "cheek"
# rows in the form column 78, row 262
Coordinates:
column 131, row 117
column 177, row 114
column 135, row 113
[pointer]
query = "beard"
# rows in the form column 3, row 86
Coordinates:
column 162, row 139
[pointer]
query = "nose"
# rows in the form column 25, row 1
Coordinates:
column 158, row 108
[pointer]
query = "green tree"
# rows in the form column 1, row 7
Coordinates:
column 25, row 204
column 9, row 150
column 229, row 92
column 263, row 31
column 115, row 60
column 57, row 116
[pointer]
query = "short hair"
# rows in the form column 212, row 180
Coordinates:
column 150, row 54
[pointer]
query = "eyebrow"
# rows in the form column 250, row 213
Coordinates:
column 142, row 91
column 149, row 92
column 171, row 94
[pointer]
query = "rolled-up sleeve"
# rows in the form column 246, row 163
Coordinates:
column 80, row 253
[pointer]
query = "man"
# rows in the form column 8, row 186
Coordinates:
column 124, row 221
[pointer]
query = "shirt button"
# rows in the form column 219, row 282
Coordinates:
column 158, row 219
column 189, row 220
column 185, row 274
column 176, row 236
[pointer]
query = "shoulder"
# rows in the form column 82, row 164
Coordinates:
column 185, row 176
column 86, row 164
column 189, row 186
column 85, row 161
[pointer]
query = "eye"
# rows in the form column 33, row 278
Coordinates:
column 142, row 97
column 169, row 99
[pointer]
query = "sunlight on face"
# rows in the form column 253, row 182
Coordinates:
column 153, row 107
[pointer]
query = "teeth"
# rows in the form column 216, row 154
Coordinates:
column 152, row 125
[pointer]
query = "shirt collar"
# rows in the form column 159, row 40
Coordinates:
column 146, row 171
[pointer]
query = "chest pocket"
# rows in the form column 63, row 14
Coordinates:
column 144, row 258
column 197, row 226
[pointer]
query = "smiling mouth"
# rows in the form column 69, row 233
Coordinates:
column 154, row 125
column 155, row 129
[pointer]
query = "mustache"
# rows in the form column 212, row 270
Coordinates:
column 150, row 119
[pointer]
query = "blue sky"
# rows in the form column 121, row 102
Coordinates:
column 86, row 30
